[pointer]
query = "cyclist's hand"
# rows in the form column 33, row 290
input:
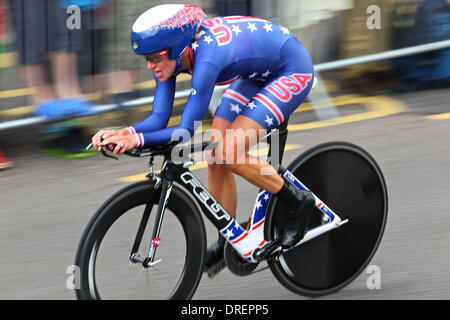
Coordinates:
column 122, row 143
column 100, row 136
column 105, row 134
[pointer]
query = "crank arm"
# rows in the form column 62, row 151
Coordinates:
column 267, row 251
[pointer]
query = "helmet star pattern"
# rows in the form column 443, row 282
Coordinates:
column 189, row 14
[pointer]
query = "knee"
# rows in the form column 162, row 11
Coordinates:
column 215, row 161
column 226, row 156
column 232, row 157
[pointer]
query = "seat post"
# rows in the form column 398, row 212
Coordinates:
column 277, row 142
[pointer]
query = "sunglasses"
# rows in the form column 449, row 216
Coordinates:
column 156, row 56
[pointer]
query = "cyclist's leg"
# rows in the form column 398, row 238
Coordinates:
column 222, row 184
column 242, row 135
column 266, row 111
column 299, row 204
column 221, row 180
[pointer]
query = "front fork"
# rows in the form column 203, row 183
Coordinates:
column 149, row 261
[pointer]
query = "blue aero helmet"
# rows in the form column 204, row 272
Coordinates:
column 166, row 27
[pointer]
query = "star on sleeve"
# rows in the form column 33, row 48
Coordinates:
column 252, row 27
column 208, row 39
column 285, row 30
column 268, row 27
column 236, row 29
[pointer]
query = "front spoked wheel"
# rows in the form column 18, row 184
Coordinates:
column 350, row 182
column 125, row 224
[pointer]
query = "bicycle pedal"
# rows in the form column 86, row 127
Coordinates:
column 268, row 251
column 214, row 269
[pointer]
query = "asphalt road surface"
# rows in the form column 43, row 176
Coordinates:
column 46, row 202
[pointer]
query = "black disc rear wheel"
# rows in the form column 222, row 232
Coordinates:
column 349, row 181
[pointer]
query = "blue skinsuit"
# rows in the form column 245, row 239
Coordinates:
column 270, row 72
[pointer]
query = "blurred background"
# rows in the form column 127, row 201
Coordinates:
column 58, row 63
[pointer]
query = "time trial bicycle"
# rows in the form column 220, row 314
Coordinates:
column 148, row 241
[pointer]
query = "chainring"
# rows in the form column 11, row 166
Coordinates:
column 236, row 263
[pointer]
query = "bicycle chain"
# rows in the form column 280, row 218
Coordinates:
column 266, row 267
column 261, row 269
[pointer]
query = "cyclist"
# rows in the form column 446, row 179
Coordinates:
column 270, row 74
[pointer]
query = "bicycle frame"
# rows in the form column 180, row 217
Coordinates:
column 245, row 242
